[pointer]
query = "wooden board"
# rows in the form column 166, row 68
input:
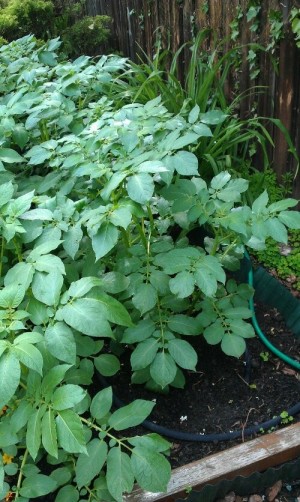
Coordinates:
column 242, row 460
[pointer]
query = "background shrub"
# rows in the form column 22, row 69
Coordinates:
column 88, row 36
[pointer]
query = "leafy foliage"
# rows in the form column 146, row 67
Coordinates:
column 97, row 205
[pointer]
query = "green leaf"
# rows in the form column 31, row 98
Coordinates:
column 105, row 240
column 151, row 441
column 107, row 364
column 115, row 311
column 90, row 464
column 30, row 356
column 242, row 328
column 220, row 180
column 67, row 396
column 10, row 373
column 54, row 376
column 20, row 136
column 205, row 281
column 47, row 287
column 49, row 434
column 21, row 274
column 29, row 337
column 101, row 403
column 140, row 187
column 119, row 475
column 214, row 333
column 121, row 217
column 131, row 415
column 37, row 485
column 182, row 285
column 21, row 415
column 1, row 473
column 185, row 140
column 260, row 203
column 11, row 296
column 114, row 282
column 9, row 156
column 213, row 117
column 60, row 342
column 47, row 58
column 291, row 219
column 194, row 114
column 144, row 354
column 34, row 432
column 6, row 193
column 83, row 286
column 37, row 214
column 145, row 298
column 151, row 469
column 183, row 353
column 86, row 315
column 72, row 239
column 185, row 163
column 233, row 345
column 276, row 230
column 70, row 432
column 67, row 493
column 8, row 436
column 143, row 330
column 163, row 369
column 184, row 325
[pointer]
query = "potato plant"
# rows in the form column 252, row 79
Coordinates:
column 97, row 204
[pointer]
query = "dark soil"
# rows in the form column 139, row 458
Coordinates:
column 217, row 398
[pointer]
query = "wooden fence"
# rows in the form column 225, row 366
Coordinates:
column 139, row 23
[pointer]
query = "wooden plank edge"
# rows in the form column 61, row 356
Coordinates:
column 269, row 450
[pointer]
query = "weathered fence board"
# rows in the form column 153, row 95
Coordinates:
column 140, row 23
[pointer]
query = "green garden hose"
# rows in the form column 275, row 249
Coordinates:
column 292, row 362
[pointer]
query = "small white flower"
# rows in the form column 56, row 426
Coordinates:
column 183, row 418
column 94, row 127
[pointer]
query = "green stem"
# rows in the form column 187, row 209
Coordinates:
column 98, row 429
column 20, row 477
column 2, row 254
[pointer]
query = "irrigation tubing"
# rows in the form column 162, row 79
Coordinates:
column 224, row 436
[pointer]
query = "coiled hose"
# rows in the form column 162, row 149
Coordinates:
column 225, row 436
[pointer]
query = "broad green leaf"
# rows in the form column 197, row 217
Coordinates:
column 185, row 163
column 29, row 337
column 115, row 311
column 151, row 441
column 242, row 328
column 6, row 193
column 163, row 369
column 20, row 274
column 194, row 114
column 30, row 356
column 47, row 287
column 90, row 464
column 49, row 434
column 290, row 218
column 8, row 435
column 119, row 475
column 72, row 239
column 83, row 286
column 60, row 342
column 21, row 415
column 105, row 239
column 1, row 473
column 185, row 140
column 4, row 345
column 49, row 263
column 205, row 281
column 43, row 249
column 131, row 415
column 114, row 282
column 9, row 156
column 213, row 117
column 10, row 373
column 70, row 432
column 20, row 136
column 182, row 285
column 184, row 325
column 121, row 217
column 34, row 432
column 177, row 260
column 276, row 230
column 183, row 353
column 151, row 470
column 21, row 204
column 67, row 396
column 214, row 333
column 143, row 330
column 220, row 180
column 144, row 354
column 67, row 493
column 62, row 475
column 233, row 345
column 107, row 364
column 232, row 192
column 238, row 313
column 37, row 214
column 11, row 296
column 101, row 403
column 282, row 205
column 140, row 187
column 260, row 203
column 37, row 485
column 86, row 315
column 54, row 376
column 145, row 298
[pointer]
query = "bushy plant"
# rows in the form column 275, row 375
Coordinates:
column 89, row 36
column 97, row 205
column 27, row 16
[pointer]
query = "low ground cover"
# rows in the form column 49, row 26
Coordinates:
column 98, row 200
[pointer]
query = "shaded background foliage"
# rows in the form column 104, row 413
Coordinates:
column 143, row 23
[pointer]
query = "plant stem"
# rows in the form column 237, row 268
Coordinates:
column 91, row 424
column 2, row 254
column 20, row 477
